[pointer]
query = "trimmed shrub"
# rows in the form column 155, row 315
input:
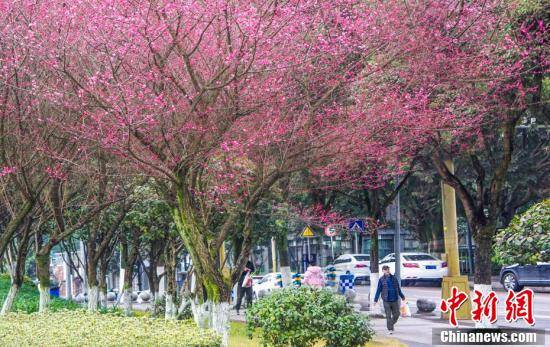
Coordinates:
column 79, row 328
column 305, row 316
column 27, row 298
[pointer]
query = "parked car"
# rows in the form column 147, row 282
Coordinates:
column 266, row 285
column 416, row 267
column 516, row 276
column 256, row 279
column 357, row 264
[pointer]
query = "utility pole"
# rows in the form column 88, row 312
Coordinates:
column 450, row 235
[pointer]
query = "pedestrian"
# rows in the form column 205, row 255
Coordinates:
column 389, row 288
column 314, row 277
column 244, row 288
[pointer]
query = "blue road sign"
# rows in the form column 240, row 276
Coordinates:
column 357, row 225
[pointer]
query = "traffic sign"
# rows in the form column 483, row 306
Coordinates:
column 357, row 225
column 330, row 231
column 307, row 232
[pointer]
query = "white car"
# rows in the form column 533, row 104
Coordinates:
column 266, row 285
column 416, row 267
column 256, row 279
column 357, row 264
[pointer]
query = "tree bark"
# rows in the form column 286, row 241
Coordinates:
column 18, row 269
column 127, row 290
column 10, row 298
column 102, row 283
column 13, row 225
column 43, row 274
column 484, row 242
column 284, row 259
column 91, row 274
column 170, row 270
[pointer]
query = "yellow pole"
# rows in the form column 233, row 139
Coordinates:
column 450, row 234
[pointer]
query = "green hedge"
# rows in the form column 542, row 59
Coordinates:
column 304, row 317
column 79, row 328
column 27, row 299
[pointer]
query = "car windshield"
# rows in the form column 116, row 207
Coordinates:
column 417, row 257
column 361, row 257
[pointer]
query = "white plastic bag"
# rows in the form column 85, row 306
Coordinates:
column 405, row 310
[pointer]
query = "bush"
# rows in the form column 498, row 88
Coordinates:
column 78, row 328
column 526, row 240
column 305, row 316
column 27, row 298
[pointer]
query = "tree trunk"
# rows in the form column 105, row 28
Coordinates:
column 170, row 270
column 374, row 274
column 10, row 298
column 18, row 270
column 484, row 244
column 13, row 226
column 43, row 274
column 127, row 301
column 102, row 284
column 93, row 299
column 284, row 259
column 211, row 309
column 127, row 290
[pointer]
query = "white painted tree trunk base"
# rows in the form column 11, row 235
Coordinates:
column 484, row 289
column 287, row 275
column 10, row 298
column 185, row 302
column 93, row 299
column 220, row 321
column 201, row 314
column 170, row 308
column 102, row 299
column 213, row 316
column 44, row 301
column 127, row 302
column 374, row 277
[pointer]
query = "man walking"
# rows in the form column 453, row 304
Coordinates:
column 389, row 287
column 244, row 288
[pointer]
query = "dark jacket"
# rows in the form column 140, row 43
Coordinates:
column 389, row 287
column 249, row 265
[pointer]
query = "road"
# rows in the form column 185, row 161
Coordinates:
column 416, row 331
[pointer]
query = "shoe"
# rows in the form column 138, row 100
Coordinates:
column 238, row 313
column 391, row 332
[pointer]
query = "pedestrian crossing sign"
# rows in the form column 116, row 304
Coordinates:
column 308, row 232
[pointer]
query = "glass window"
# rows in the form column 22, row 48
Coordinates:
column 418, row 257
column 362, row 257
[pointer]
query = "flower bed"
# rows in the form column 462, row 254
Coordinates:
column 78, row 328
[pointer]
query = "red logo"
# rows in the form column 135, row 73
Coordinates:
column 453, row 304
column 484, row 307
column 520, row 305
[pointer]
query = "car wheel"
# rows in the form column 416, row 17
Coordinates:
column 510, row 282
